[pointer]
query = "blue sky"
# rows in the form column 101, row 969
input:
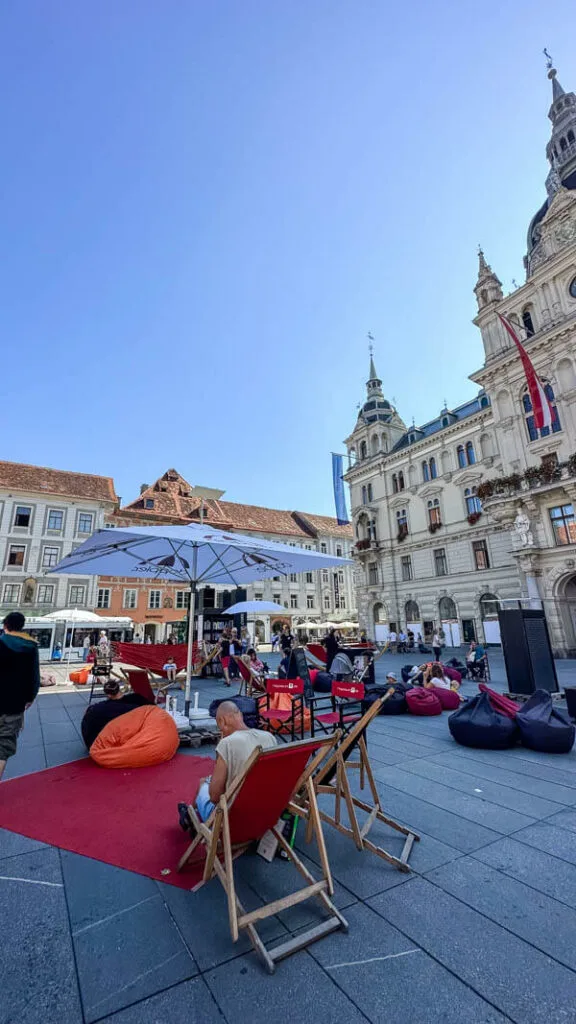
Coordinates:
column 206, row 205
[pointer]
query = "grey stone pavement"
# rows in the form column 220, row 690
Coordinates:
column 482, row 931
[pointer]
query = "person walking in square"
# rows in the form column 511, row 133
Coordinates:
column 19, row 682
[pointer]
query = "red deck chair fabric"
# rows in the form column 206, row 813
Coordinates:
column 140, row 682
column 318, row 652
column 499, row 702
column 423, row 702
column 342, row 715
column 281, row 708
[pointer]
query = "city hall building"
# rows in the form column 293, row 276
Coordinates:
column 476, row 507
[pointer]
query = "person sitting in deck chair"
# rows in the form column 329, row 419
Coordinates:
column 170, row 668
column 232, row 752
column 342, row 668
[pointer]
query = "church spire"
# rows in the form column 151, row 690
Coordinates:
column 373, row 384
column 561, row 150
column 488, row 287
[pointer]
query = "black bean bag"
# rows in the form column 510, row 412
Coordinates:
column 323, row 682
column 478, row 724
column 247, row 705
column 543, row 727
column 395, row 705
column 99, row 714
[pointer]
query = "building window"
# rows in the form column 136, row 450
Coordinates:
column 466, row 455
column 412, row 612
column 563, row 524
column 148, row 502
column 154, row 598
column 339, row 551
column 103, row 599
column 363, row 450
column 45, row 594
column 11, row 593
column 16, row 553
column 406, row 567
column 326, row 602
column 364, row 495
column 323, row 549
column 425, row 472
column 277, row 598
column 470, row 453
column 309, row 600
column 77, row 595
column 434, row 513
column 528, row 322
column 50, row 557
column 325, row 576
column 342, row 601
column 489, row 605
column 440, row 562
column 309, row 577
column 433, row 470
column 372, row 574
column 369, row 491
column 85, row 520
column 402, row 522
column 55, row 519
column 461, row 453
column 400, row 481
column 394, row 483
column 182, row 598
column 473, row 503
column 293, row 600
column 533, row 432
column 130, row 599
column 258, row 597
column 481, row 559
column 293, row 577
column 22, row 516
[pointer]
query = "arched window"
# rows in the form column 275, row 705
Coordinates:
column 433, row 470
column 461, row 453
column 470, row 454
column 384, row 442
column 563, row 143
column 394, row 483
column 528, row 322
column 447, row 609
column 425, row 472
column 400, row 481
column 402, row 522
column 473, row 503
column 363, row 450
column 372, row 529
column 570, row 136
column 369, row 492
column 364, row 495
column 434, row 513
column 484, row 402
column 489, row 605
column 533, row 432
column 378, row 613
column 411, row 612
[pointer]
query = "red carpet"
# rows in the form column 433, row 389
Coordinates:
column 124, row 817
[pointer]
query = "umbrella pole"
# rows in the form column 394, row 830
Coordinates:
column 191, row 611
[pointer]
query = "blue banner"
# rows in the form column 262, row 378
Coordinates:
column 339, row 492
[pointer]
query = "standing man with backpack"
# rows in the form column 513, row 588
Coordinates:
column 19, row 682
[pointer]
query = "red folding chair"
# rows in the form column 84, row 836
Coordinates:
column 345, row 704
column 139, row 680
column 281, row 708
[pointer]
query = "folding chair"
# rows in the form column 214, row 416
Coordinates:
column 331, row 779
column 283, row 721
column 250, row 807
column 345, row 702
column 250, row 680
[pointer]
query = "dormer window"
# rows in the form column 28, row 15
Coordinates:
column 149, row 503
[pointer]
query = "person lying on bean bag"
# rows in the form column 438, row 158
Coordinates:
column 99, row 714
column 435, row 676
column 143, row 737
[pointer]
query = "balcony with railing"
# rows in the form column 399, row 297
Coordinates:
column 536, row 479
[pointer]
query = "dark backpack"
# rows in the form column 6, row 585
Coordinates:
column 247, row 705
column 543, row 727
column 478, row 724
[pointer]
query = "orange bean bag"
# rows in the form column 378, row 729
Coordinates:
column 143, row 737
column 283, row 702
column 80, row 677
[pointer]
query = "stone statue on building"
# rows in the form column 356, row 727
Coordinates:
column 522, row 527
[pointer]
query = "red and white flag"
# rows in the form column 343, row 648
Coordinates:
column 543, row 412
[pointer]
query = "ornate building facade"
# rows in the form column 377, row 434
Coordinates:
column 476, row 507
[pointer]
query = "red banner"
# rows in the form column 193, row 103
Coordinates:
column 152, row 656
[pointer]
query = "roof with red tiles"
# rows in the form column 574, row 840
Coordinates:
column 17, row 476
column 172, row 498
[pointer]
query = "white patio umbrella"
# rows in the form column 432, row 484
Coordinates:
column 265, row 607
column 194, row 554
column 306, row 625
column 70, row 616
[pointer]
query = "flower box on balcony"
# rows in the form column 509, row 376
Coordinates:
column 432, row 527
column 402, row 533
column 474, row 517
column 363, row 545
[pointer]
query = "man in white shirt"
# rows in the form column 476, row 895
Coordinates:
column 237, row 744
column 392, row 638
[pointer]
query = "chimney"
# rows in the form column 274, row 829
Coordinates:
column 144, row 487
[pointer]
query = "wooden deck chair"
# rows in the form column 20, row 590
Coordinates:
column 252, row 806
column 139, row 680
column 250, row 679
column 331, row 778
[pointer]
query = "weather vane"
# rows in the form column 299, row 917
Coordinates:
column 549, row 61
column 370, row 337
